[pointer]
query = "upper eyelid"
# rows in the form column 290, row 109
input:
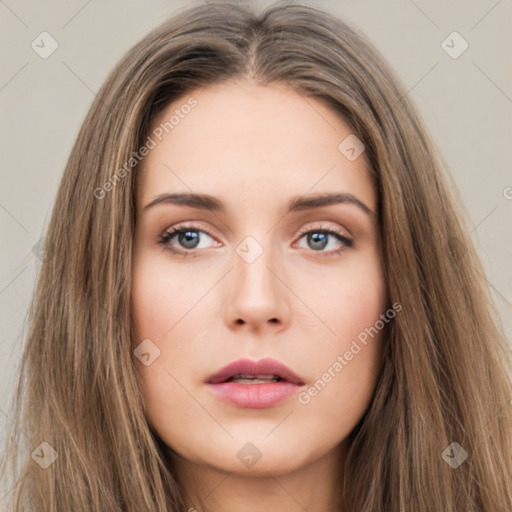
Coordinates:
column 318, row 227
column 196, row 227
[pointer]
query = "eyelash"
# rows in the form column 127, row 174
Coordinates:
column 166, row 237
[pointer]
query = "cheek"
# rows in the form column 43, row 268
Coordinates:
column 163, row 300
column 347, row 302
column 159, row 306
column 345, row 359
column 159, row 298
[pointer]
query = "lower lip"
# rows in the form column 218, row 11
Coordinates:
column 254, row 396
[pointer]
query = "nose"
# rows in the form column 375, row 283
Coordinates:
column 257, row 298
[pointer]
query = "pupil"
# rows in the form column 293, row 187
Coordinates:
column 316, row 242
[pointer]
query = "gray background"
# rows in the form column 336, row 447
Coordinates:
column 466, row 102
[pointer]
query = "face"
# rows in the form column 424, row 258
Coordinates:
column 260, row 269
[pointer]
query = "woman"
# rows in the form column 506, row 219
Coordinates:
column 257, row 291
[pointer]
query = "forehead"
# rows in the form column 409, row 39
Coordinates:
column 249, row 143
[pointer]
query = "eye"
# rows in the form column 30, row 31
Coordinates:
column 318, row 240
column 188, row 237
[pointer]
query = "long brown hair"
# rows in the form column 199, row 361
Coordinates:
column 444, row 376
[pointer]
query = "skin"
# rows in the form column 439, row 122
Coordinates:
column 254, row 147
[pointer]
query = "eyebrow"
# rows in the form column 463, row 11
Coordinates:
column 296, row 203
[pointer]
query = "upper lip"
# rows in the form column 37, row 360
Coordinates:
column 265, row 366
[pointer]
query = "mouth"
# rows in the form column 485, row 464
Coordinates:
column 251, row 379
column 246, row 371
column 254, row 384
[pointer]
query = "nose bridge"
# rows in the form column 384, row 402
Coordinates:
column 254, row 257
column 257, row 295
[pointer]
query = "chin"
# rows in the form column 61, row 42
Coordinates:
column 251, row 458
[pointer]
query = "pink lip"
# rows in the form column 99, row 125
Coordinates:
column 255, row 396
